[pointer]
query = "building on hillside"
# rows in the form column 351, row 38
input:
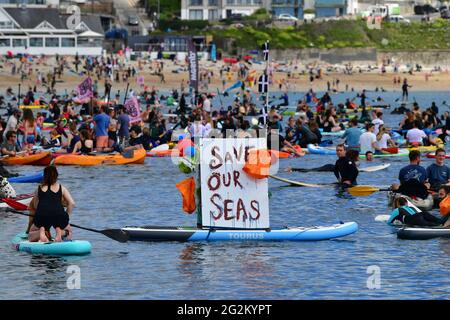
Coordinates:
column 292, row 7
column 39, row 31
column 335, row 8
column 31, row 3
column 219, row 9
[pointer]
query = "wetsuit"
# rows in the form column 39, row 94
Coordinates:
column 346, row 170
column 307, row 136
column 410, row 216
column 50, row 211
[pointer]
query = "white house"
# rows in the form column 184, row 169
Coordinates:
column 39, row 31
column 219, row 9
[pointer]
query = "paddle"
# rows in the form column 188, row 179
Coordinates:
column 115, row 234
column 364, row 191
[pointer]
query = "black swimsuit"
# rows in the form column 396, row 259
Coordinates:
column 50, row 211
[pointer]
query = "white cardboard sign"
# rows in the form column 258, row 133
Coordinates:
column 230, row 198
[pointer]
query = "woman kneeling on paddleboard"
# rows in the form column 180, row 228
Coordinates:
column 47, row 207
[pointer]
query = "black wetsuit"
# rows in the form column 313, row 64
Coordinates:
column 415, row 218
column 346, row 170
column 50, row 211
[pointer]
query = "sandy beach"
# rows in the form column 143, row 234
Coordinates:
column 176, row 76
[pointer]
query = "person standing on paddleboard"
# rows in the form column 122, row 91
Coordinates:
column 47, row 209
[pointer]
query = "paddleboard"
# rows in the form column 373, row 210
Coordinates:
column 32, row 178
column 423, row 233
column 65, row 248
column 314, row 233
column 375, row 168
column 297, row 183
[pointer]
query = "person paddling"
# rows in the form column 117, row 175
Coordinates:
column 47, row 207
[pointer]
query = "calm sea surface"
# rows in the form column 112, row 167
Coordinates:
column 113, row 197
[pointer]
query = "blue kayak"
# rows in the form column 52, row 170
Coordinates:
column 315, row 233
column 32, row 178
column 66, row 248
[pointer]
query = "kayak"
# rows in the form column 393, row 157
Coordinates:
column 423, row 148
column 315, row 233
column 65, row 248
column 423, row 233
column 95, row 160
column 36, row 177
column 48, row 159
column 422, row 204
column 433, row 156
column 22, row 198
column 24, row 159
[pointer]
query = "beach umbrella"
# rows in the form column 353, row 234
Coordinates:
column 230, row 60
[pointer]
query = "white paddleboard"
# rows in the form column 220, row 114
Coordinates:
column 375, row 168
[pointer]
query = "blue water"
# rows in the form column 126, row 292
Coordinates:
column 113, row 197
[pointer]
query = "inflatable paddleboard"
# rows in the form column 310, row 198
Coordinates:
column 315, row 233
column 65, row 248
column 32, row 178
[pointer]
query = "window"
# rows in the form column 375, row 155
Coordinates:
column 6, row 25
column 213, row 2
column 52, row 42
column 67, row 42
column 196, row 2
column 90, row 42
column 36, row 42
column 5, row 42
column 213, row 14
column 19, row 42
column 195, row 14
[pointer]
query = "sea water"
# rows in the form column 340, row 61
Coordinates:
column 370, row 264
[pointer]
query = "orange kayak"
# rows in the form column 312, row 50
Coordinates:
column 24, row 159
column 96, row 160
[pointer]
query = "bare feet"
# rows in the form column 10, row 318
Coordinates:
column 58, row 237
column 42, row 235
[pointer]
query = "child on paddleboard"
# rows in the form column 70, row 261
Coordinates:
column 47, row 207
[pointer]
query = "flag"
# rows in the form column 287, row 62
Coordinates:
column 133, row 109
column 265, row 49
column 193, row 65
column 263, row 84
column 84, row 89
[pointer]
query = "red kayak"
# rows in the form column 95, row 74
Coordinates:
column 24, row 199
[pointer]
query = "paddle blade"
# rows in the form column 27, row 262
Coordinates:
column 362, row 191
column 15, row 204
column 116, row 234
